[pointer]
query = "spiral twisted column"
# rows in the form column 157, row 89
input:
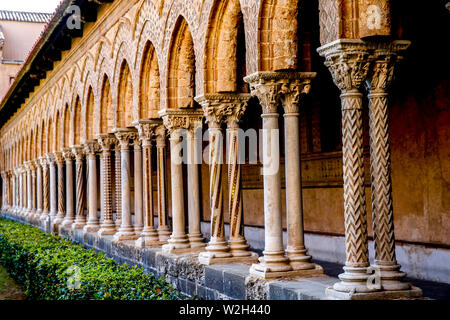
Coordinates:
column 61, row 189
column 107, row 227
column 149, row 235
column 69, row 217
column 45, row 189
column 126, row 230
column 91, row 148
column 274, row 263
column 163, row 223
column 80, row 217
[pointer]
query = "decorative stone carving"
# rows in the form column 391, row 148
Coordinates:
column 107, row 227
column 69, row 218
column 91, row 148
column 80, row 218
column 59, row 158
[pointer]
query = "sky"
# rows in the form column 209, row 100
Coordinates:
column 30, row 5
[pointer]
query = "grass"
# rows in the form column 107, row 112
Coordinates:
column 9, row 290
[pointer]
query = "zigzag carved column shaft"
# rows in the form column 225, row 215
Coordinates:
column 149, row 235
column 380, row 160
column 106, row 142
column 348, row 62
column 37, row 163
column 118, row 184
column 163, row 227
column 80, row 218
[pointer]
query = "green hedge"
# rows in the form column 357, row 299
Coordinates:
column 51, row 268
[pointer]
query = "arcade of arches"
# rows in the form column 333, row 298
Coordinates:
column 91, row 148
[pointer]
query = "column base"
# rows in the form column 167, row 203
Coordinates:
column 107, row 229
column 124, row 234
column 148, row 242
column 267, row 272
column 78, row 225
column 164, row 234
column 67, row 222
column 210, row 258
column 412, row 293
column 196, row 240
column 91, row 227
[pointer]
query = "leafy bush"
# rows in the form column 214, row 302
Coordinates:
column 52, row 268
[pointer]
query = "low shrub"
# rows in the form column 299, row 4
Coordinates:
column 52, row 268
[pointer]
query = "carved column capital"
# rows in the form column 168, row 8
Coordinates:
column 68, row 155
column 37, row 163
column 293, row 89
column 91, row 148
column 78, row 152
column 223, row 107
column 59, row 158
column 106, row 142
column 124, row 136
column 43, row 162
column 160, row 133
column 51, row 158
column 188, row 119
column 348, row 62
column 146, row 130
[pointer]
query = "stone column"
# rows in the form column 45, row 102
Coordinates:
column 175, row 122
column 33, row 189
column 217, row 248
column 348, row 63
column 163, row 225
column 118, row 184
column 61, row 190
column 274, row 263
column 3, row 191
column 149, row 235
column 217, row 109
column 378, row 83
column 91, row 148
column 80, row 218
column 37, row 163
column 70, row 205
column 291, row 91
column 194, row 153
column 53, row 186
column 126, row 230
column 138, row 213
column 108, row 226
column 45, row 189
column 28, row 167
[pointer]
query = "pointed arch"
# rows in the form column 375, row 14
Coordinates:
column 124, row 116
column 90, row 115
column 181, row 68
column 149, row 85
column 77, row 123
column 106, row 115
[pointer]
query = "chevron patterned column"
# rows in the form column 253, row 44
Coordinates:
column 118, row 184
column 378, row 83
column 45, row 189
column 349, row 64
